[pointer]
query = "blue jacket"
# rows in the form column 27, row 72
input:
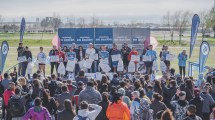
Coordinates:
column 182, row 60
column 71, row 55
column 151, row 53
column 103, row 54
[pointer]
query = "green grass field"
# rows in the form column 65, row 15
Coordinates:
column 35, row 40
column 12, row 57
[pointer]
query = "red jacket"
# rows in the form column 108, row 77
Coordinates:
column 132, row 53
column 61, row 54
column 7, row 94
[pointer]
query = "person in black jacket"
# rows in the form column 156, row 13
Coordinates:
column 28, row 56
column 168, row 93
column 125, row 52
column 53, row 52
column 191, row 113
column 20, row 50
column 104, row 104
column 49, row 102
column 198, row 102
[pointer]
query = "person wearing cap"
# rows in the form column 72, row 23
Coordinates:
column 208, row 101
column 20, row 50
column 125, row 52
column 151, row 53
column 197, row 101
column 182, row 59
column 191, row 113
column 118, row 110
column 125, row 98
column 90, row 51
column 28, row 55
column 53, row 52
column 179, row 107
column 135, row 103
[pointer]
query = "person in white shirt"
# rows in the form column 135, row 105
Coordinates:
column 90, row 51
column 41, row 58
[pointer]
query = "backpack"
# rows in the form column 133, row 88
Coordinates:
column 180, row 111
column 82, row 118
column 144, row 112
column 52, row 88
column 17, row 108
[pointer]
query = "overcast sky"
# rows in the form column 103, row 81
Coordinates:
column 107, row 10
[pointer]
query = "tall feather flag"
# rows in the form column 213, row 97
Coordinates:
column 22, row 29
column 56, row 41
column 194, row 31
column 3, row 54
column 203, row 55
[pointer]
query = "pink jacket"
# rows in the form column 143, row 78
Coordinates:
column 43, row 115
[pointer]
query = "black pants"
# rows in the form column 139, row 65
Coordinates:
column 149, row 67
column 20, row 69
column 182, row 68
column 53, row 64
column 205, row 116
column 65, row 64
column 24, row 67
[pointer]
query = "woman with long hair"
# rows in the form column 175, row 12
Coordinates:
column 104, row 104
column 49, row 103
column 157, row 104
column 68, row 113
column 157, row 87
column 167, row 115
column 118, row 109
column 37, row 112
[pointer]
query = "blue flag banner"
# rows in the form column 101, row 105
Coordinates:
column 194, row 31
column 22, row 29
column 203, row 55
column 4, row 52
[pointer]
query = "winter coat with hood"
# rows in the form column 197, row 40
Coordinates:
column 198, row 102
column 157, row 106
column 89, row 114
column 118, row 111
column 91, row 95
column 207, row 102
column 42, row 115
column 192, row 117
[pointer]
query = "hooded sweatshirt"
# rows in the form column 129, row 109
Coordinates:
column 91, row 115
column 207, row 102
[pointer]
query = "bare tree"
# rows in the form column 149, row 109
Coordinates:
column 71, row 22
column 203, row 21
column 182, row 20
column 176, row 22
column 168, row 21
column 94, row 21
column 56, row 21
column 82, row 22
column 1, row 20
column 210, row 22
